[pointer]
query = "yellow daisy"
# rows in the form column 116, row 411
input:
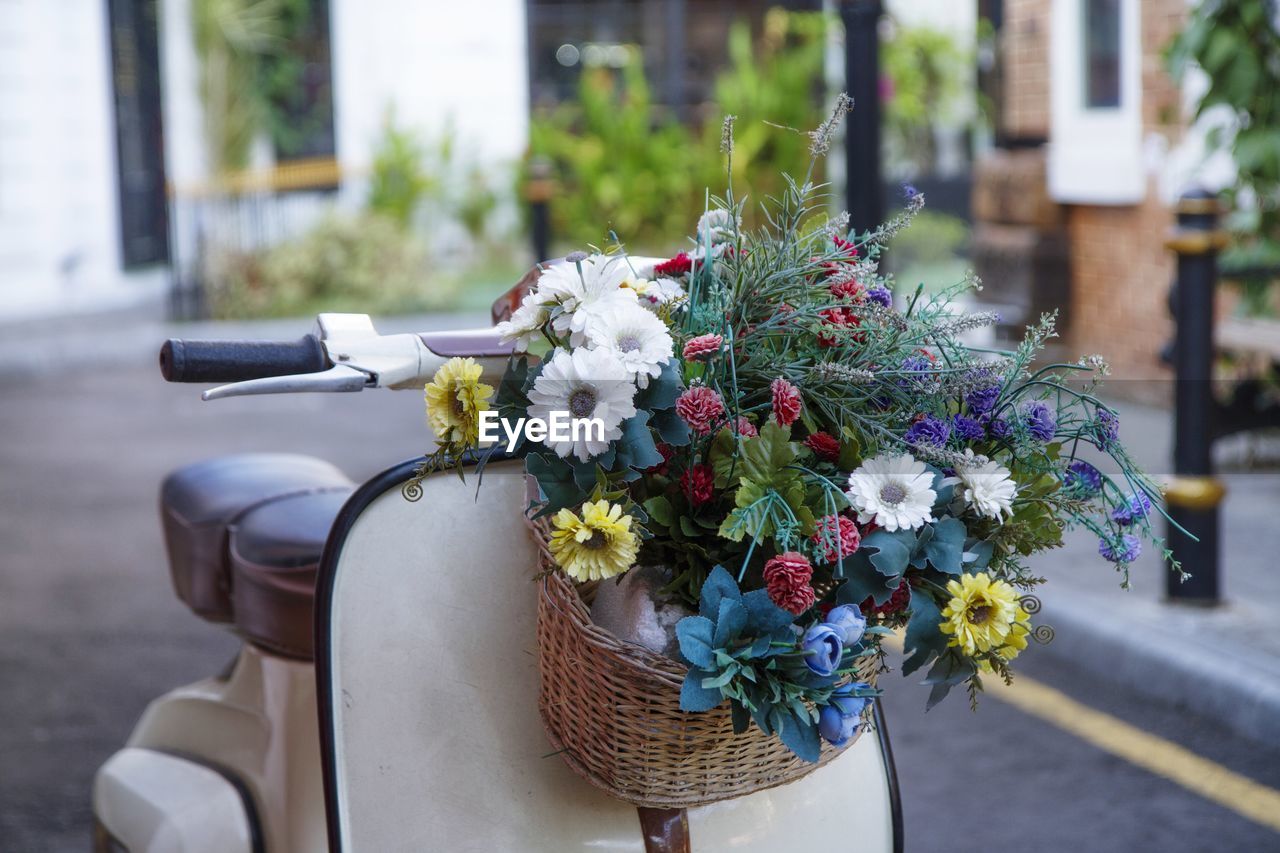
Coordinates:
column 597, row 545
column 455, row 399
column 981, row 614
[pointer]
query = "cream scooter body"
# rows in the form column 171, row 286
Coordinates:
column 425, row 689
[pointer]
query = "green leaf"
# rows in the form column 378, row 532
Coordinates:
column 659, row 509
column 765, row 458
column 923, row 640
column 719, row 584
column 662, row 390
column 730, row 622
column 671, row 427
column 945, row 547
column 800, row 735
column 555, row 480
column 694, row 697
column 636, row 448
column 694, row 634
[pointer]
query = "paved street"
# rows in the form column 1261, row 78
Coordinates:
column 90, row 631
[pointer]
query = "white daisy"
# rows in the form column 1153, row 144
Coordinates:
column 584, row 289
column 526, row 322
column 893, row 490
column 635, row 336
column 654, row 293
column 717, row 224
column 586, row 383
column 987, row 487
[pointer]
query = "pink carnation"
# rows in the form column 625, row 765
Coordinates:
column 786, row 578
column 703, row 345
column 786, row 401
column 701, row 408
column 698, row 483
column 824, row 446
column 679, row 265
column 837, row 536
column 746, row 428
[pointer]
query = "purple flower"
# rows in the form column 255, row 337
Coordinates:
column 1136, row 507
column 981, row 400
column 997, row 427
column 1124, row 550
column 928, row 430
column 881, row 295
column 1082, row 477
column 967, row 428
column 839, row 719
column 823, row 646
column 849, row 621
column 1040, row 419
column 1106, row 429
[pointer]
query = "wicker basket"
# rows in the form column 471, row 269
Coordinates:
column 612, row 710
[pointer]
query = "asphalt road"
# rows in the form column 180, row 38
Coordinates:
column 90, row 631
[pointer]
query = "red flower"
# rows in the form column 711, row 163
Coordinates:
column 662, row 467
column 836, row 318
column 845, row 246
column 703, row 345
column 824, row 446
column 746, row 428
column 786, row 577
column 898, row 601
column 846, row 288
column 697, row 483
column 837, row 536
column 786, row 401
column 701, row 408
column 679, row 265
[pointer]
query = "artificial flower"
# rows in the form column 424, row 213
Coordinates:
column 1083, row 478
column 981, row 400
column 1126, row 549
column 840, row 718
column 823, row 647
column 1132, row 510
column 698, row 483
column 881, row 296
column 836, row 320
column 824, row 446
column 837, row 536
column 967, row 428
column 634, row 336
column 849, row 621
column 786, row 578
column 526, row 322
column 980, row 614
column 746, row 428
column 654, row 293
column 455, row 398
column 701, row 408
column 582, row 290
column 703, row 346
column 588, row 384
column 986, row 486
column 928, row 431
column 786, row 401
column 897, row 602
column 679, row 265
column 1040, row 420
column 893, row 490
column 596, row 545
column 846, row 287
column 717, row 225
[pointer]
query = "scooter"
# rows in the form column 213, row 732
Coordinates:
column 385, row 696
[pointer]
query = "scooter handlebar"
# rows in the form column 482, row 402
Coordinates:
column 236, row 361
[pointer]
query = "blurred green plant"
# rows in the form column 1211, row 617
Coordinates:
column 232, row 37
column 928, row 72
column 1237, row 44
column 295, row 108
column 399, row 182
column 366, row 263
column 624, row 165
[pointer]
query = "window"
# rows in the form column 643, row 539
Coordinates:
column 1101, row 53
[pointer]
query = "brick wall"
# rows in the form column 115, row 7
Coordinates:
column 1120, row 268
column 1024, row 48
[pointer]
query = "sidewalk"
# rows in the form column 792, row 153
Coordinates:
column 1224, row 662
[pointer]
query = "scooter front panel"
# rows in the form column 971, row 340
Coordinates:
column 428, row 665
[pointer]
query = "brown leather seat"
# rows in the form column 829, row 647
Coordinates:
column 275, row 551
column 201, row 503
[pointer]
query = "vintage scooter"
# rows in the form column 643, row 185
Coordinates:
column 385, row 697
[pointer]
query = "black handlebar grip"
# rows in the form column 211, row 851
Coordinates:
column 235, row 361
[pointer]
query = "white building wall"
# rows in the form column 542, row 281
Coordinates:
column 59, row 240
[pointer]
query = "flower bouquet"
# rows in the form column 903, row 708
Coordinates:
column 799, row 459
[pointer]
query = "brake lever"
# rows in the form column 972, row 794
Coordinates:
column 340, row 377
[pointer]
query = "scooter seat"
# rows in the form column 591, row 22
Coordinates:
column 199, row 503
column 275, row 551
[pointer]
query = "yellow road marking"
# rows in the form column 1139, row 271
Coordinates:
column 1166, row 759
column 1208, row 779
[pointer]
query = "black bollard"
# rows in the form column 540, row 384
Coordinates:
column 1194, row 495
column 865, row 185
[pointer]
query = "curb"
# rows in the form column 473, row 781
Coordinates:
column 1143, row 649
